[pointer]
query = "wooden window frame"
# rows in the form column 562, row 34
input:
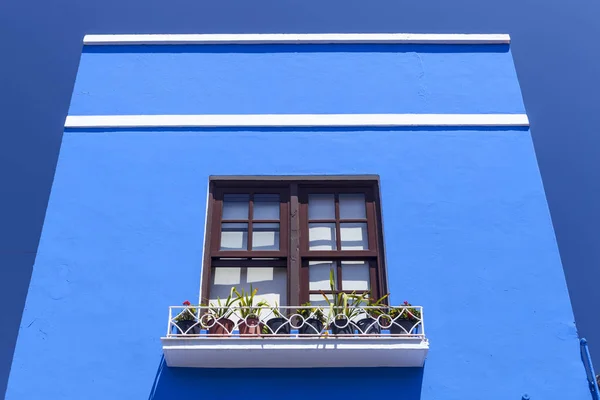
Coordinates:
column 249, row 253
column 294, row 254
column 372, row 256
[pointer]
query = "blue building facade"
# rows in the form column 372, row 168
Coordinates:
column 436, row 122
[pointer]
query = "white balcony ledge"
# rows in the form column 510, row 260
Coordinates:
column 295, row 352
column 295, row 337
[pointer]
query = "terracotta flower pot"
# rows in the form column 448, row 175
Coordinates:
column 250, row 326
column 221, row 327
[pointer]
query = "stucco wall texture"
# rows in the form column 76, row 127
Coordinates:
column 466, row 225
column 290, row 79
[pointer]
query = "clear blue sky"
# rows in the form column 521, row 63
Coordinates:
column 554, row 45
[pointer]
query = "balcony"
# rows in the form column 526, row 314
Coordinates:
column 295, row 337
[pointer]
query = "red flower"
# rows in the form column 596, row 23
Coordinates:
column 186, row 303
column 405, row 302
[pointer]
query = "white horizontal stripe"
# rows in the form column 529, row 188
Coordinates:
column 294, row 120
column 408, row 38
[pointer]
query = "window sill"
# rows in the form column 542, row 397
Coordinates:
column 294, row 352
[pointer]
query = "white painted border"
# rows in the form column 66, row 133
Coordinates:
column 293, row 120
column 307, row 38
column 293, row 352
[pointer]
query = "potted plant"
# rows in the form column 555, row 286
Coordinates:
column 405, row 319
column 313, row 319
column 217, row 318
column 375, row 317
column 279, row 325
column 187, row 321
column 343, row 309
column 249, row 312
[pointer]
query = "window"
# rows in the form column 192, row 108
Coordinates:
column 284, row 237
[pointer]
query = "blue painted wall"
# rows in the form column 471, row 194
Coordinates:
column 467, row 232
column 551, row 46
column 296, row 79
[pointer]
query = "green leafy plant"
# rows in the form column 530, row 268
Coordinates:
column 377, row 304
column 406, row 312
column 378, row 308
column 188, row 314
column 246, row 303
column 344, row 305
column 223, row 309
column 311, row 312
column 276, row 311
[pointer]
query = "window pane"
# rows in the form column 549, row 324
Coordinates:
column 318, row 275
column 265, row 236
column 266, row 206
column 354, row 236
column 226, row 276
column 321, row 206
column 321, row 236
column 355, row 275
column 235, row 206
column 270, row 282
column 234, row 236
column 352, row 206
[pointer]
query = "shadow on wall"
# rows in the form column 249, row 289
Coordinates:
column 291, row 384
column 305, row 48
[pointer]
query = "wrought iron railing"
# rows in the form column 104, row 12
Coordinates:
column 303, row 321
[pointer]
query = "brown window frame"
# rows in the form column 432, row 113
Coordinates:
column 371, row 256
column 249, row 253
column 294, row 254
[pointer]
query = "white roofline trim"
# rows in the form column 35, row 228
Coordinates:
column 305, row 38
column 294, row 120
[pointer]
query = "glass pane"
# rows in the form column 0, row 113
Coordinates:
column 226, row 276
column 354, row 236
column 234, row 236
column 352, row 206
column 319, row 300
column 265, row 236
column 321, row 206
column 321, row 236
column 355, row 275
column 318, row 275
column 266, row 206
column 235, row 206
column 270, row 282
